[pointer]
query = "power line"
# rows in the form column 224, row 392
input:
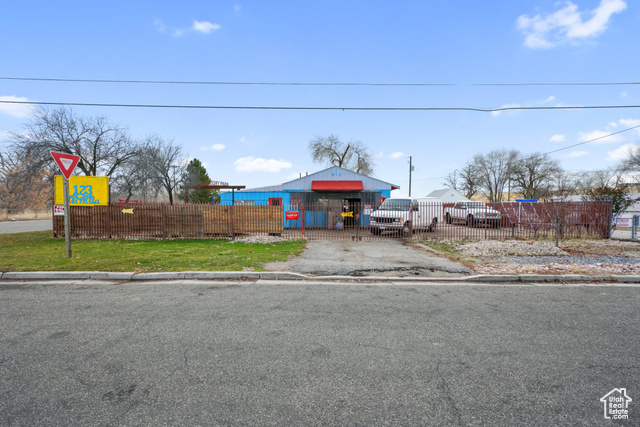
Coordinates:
column 229, row 83
column 246, row 107
column 559, row 149
column 591, row 140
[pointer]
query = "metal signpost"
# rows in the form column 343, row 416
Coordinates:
column 66, row 163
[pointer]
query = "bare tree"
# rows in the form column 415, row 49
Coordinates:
column 136, row 178
column 353, row 155
column 534, row 174
column 632, row 162
column 465, row 179
column 451, row 180
column 21, row 186
column 494, row 171
column 165, row 162
column 103, row 147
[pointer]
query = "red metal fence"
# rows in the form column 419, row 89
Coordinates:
column 351, row 221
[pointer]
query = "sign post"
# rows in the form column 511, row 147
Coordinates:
column 66, row 163
column 67, row 218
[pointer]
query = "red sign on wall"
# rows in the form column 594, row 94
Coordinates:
column 292, row 214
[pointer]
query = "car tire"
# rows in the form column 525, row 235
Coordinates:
column 407, row 226
column 470, row 221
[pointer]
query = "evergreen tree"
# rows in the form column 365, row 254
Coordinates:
column 196, row 174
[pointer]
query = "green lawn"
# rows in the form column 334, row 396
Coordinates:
column 38, row 251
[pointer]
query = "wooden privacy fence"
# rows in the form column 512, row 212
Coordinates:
column 352, row 221
column 158, row 221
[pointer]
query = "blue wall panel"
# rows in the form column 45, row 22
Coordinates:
column 311, row 218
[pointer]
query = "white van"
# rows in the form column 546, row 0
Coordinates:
column 406, row 215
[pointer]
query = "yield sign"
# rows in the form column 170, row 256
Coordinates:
column 66, row 162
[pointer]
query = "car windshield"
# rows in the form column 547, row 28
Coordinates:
column 395, row 205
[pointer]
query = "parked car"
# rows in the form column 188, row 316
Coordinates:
column 406, row 215
column 472, row 214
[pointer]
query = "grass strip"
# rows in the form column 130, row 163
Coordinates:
column 38, row 251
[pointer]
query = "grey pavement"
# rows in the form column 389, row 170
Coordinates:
column 621, row 234
column 376, row 257
column 7, row 227
column 223, row 353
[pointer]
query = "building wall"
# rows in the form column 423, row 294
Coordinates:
column 314, row 214
column 260, row 198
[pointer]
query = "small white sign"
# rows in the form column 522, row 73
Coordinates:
column 623, row 222
column 58, row 210
column 66, row 163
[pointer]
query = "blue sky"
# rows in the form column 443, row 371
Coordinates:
column 460, row 42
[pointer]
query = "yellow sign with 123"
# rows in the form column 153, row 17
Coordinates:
column 83, row 190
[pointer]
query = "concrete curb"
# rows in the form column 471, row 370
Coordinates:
column 239, row 275
column 65, row 275
column 285, row 275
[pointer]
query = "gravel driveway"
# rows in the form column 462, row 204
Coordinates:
column 573, row 256
column 369, row 258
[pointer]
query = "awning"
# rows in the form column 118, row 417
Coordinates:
column 336, row 186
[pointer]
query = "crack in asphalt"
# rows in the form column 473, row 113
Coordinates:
column 447, row 391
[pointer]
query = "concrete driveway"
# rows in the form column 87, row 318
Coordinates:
column 369, row 258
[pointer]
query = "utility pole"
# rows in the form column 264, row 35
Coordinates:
column 173, row 188
column 410, row 170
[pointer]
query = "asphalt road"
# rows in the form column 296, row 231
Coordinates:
column 380, row 257
column 24, row 226
column 267, row 354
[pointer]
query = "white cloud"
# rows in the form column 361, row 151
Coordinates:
column 380, row 155
column 253, row 164
column 396, row 155
column 549, row 99
column 497, row 113
column 214, row 147
column 621, row 152
column 624, row 95
column 574, row 154
column 160, row 25
column 237, row 8
column 15, row 110
column 558, row 137
column 602, row 136
column 242, row 139
column 595, row 134
column 567, row 24
column 204, row 27
column 629, row 122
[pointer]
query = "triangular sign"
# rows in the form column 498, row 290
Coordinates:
column 66, row 162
